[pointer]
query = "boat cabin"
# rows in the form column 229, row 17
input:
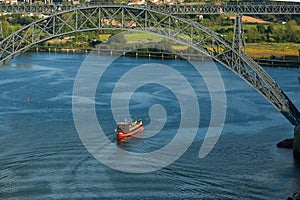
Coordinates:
column 124, row 127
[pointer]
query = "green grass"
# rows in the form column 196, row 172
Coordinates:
column 283, row 26
column 133, row 37
column 276, row 26
column 142, row 36
column 103, row 37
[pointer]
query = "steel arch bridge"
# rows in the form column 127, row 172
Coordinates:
column 152, row 21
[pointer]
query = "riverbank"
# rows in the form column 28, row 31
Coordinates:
column 280, row 51
column 286, row 61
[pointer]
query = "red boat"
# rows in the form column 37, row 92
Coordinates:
column 126, row 129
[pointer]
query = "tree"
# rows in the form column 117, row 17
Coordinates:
column 270, row 29
column 229, row 36
column 291, row 25
column 252, row 35
column 261, row 28
column 291, row 28
column 6, row 28
column 279, row 35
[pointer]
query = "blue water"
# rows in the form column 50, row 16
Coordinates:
column 42, row 156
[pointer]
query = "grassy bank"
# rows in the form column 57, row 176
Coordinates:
column 255, row 50
column 273, row 50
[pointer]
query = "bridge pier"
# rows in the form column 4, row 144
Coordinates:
column 296, row 145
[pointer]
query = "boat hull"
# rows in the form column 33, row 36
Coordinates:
column 137, row 130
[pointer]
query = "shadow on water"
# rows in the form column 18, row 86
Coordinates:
column 296, row 161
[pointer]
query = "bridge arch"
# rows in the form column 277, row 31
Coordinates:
column 167, row 25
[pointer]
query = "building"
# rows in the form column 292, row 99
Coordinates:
column 11, row 1
column 170, row 2
column 156, row 1
column 137, row 2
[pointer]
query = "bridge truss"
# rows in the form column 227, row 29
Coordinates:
column 146, row 20
column 245, row 8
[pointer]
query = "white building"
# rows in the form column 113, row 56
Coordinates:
column 11, row 1
column 137, row 2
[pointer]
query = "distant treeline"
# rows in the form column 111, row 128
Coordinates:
column 276, row 29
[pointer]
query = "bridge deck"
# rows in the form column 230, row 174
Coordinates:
column 233, row 8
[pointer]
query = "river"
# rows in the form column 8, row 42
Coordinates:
column 43, row 157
